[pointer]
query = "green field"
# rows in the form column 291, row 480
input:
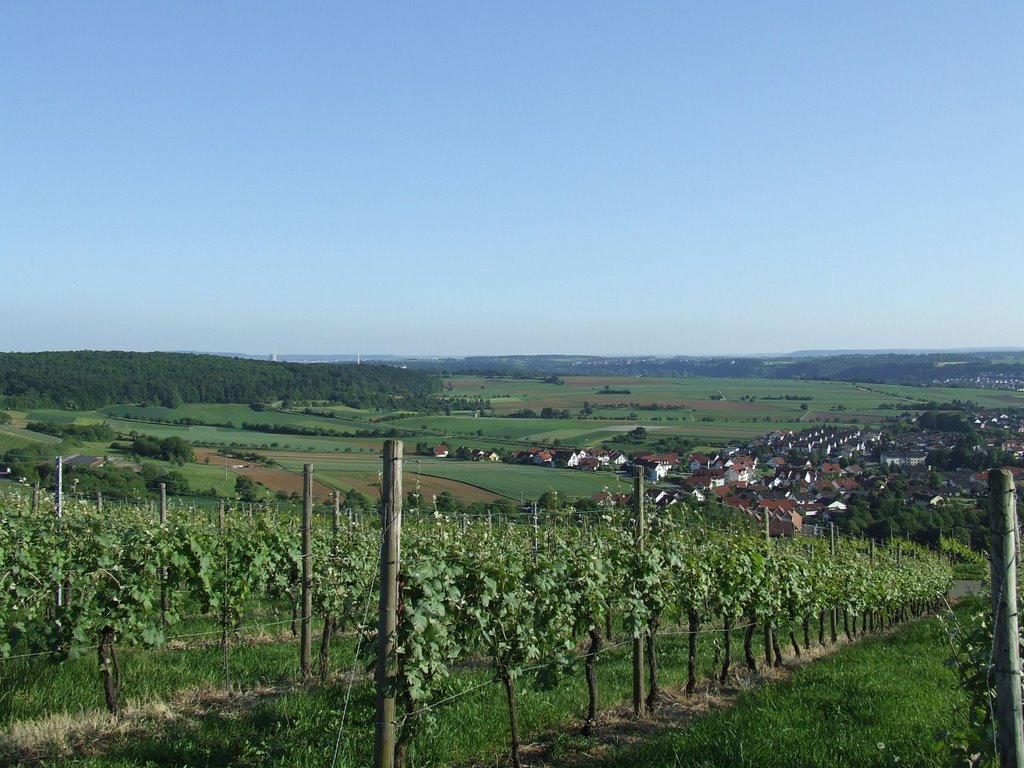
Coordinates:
column 599, row 410
column 16, row 437
column 516, row 480
column 237, row 415
column 512, row 394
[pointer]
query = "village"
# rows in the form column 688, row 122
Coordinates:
column 813, row 477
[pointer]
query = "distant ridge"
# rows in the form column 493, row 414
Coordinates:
column 844, row 352
column 391, row 358
column 297, row 358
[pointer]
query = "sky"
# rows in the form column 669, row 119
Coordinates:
column 462, row 178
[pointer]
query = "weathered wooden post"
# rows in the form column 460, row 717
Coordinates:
column 35, row 497
column 768, row 637
column 833, row 611
column 58, row 497
column 224, row 603
column 536, row 528
column 58, row 511
column 387, row 624
column 1005, row 650
column 871, row 561
column 306, row 631
column 163, row 568
column 99, row 502
column 336, row 513
column 638, row 639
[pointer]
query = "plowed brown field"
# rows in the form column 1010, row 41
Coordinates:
column 274, row 479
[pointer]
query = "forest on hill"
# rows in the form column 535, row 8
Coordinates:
column 93, row 379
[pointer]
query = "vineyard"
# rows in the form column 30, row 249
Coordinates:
column 493, row 606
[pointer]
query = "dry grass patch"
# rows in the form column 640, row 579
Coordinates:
column 68, row 735
column 82, row 733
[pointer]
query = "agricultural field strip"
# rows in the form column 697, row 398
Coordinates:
column 717, row 422
column 28, row 435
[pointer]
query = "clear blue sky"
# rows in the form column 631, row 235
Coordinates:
column 488, row 178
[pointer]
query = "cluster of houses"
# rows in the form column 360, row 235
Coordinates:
column 794, row 478
column 772, row 478
column 584, row 458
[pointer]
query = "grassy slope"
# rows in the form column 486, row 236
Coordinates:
column 885, row 701
column 891, row 690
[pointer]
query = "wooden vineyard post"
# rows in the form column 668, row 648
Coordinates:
column 99, row 502
column 224, row 603
column 58, row 511
column 870, row 618
column 638, row 640
column 387, row 623
column 767, row 623
column 1005, row 649
column 163, row 568
column 833, row 611
column 58, row 490
column 336, row 514
column 306, row 634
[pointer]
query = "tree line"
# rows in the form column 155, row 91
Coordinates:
column 91, row 379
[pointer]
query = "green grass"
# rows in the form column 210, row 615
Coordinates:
column 883, row 702
column 892, row 690
column 13, row 438
column 970, row 571
column 301, row 726
column 38, row 687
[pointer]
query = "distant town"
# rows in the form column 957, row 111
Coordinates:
column 815, row 477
